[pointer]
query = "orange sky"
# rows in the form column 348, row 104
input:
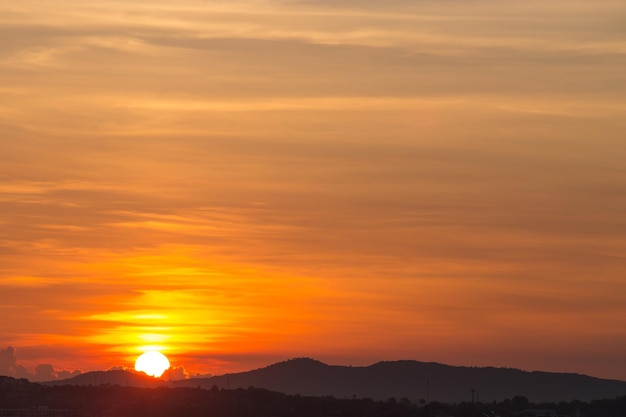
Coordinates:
column 237, row 183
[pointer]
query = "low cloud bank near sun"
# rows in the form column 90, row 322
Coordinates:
column 9, row 366
column 174, row 373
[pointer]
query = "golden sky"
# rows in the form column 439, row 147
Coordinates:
column 237, row 183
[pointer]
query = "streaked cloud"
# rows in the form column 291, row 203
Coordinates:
column 246, row 181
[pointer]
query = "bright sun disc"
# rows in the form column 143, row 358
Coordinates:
column 152, row 363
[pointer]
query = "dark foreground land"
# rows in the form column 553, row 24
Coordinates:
column 25, row 399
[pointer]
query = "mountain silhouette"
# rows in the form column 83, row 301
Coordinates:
column 399, row 379
column 113, row 377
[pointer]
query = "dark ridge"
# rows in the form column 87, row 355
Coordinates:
column 416, row 380
column 114, row 377
column 413, row 380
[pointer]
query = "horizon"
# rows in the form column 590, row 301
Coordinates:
column 233, row 183
column 175, row 373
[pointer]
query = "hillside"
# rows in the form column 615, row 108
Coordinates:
column 116, row 377
column 400, row 379
column 416, row 380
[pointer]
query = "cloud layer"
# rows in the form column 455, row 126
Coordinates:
column 9, row 366
column 238, row 183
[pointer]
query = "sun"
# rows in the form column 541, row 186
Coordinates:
column 153, row 363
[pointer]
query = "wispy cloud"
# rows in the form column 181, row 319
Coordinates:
column 253, row 180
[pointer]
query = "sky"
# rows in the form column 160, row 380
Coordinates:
column 239, row 183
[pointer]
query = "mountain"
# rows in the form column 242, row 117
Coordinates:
column 115, row 377
column 400, row 379
column 416, row 380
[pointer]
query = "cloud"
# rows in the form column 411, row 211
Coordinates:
column 7, row 359
column 67, row 374
column 256, row 177
column 9, row 366
column 175, row 373
column 43, row 372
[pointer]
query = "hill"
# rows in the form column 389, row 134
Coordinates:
column 116, row 377
column 416, row 380
column 400, row 379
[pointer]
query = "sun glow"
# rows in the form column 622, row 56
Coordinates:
column 153, row 363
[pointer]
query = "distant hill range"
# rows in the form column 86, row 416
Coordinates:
column 114, row 377
column 400, row 379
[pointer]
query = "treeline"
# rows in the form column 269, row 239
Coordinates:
column 118, row 401
column 519, row 406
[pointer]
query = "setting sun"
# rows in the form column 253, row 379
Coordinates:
column 152, row 363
